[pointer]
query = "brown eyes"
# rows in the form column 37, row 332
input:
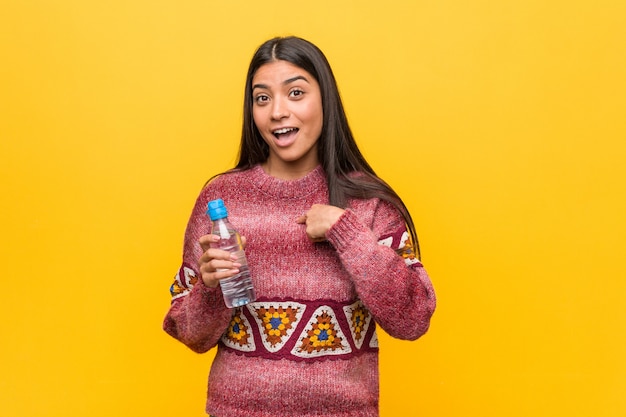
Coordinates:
column 261, row 99
column 296, row 93
column 264, row 98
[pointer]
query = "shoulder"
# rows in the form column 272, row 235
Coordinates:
column 375, row 208
column 378, row 202
column 222, row 186
column 226, row 180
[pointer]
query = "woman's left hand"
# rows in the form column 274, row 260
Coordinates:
column 319, row 219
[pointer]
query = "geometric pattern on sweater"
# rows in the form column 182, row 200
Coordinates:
column 321, row 336
column 374, row 341
column 276, row 321
column 301, row 330
column 183, row 282
column 402, row 243
column 359, row 319
column 239, row 335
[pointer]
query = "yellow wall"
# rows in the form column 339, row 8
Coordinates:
column 500, row 122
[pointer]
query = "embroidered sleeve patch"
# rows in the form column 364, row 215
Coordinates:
column 183, row 282
column 402, row 243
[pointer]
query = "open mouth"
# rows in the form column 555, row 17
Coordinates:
column 286, row 131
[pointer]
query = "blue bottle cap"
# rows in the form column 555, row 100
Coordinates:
column 216, row 209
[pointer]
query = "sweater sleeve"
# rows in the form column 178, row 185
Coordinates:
column 390, row 281
column 198, row 315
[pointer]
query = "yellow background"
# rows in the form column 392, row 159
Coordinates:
column 501, row 123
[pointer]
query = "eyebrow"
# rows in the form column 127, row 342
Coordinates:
column 286, row 82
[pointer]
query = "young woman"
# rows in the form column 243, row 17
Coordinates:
column 329, row 247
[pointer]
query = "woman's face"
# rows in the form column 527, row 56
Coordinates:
column 287, row 111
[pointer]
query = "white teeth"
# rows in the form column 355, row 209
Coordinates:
column 283, row 130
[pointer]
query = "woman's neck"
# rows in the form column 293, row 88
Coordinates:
column 288, row 171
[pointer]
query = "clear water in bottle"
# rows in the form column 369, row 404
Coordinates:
column 237, row 290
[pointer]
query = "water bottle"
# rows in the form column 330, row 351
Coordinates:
column 237, row 290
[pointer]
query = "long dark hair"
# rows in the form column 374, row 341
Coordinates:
column 338, row 152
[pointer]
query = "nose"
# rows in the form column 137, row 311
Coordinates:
column 280, row 109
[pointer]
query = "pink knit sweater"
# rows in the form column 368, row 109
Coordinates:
column 308, row 345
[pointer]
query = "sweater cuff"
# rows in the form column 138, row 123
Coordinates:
column 346, row 230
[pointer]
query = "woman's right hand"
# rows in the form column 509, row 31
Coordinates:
column 216, row 264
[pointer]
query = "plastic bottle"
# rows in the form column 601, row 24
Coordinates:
column 237, row 290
